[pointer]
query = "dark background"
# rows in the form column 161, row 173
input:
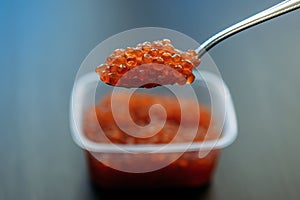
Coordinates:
column 42, row 44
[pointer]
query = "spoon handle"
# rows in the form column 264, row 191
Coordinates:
column 277, row 10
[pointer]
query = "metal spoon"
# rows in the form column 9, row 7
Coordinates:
column 275, row 11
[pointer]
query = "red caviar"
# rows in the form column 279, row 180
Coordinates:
column 187, row 171
column 139, row 106
column 158, row 60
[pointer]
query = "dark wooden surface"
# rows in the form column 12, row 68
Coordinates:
column 42, row 45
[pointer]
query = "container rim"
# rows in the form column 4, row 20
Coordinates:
column 228, row 135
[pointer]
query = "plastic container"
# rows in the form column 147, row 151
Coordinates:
column 157, row 165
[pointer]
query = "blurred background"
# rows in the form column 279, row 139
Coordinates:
column 42, row 44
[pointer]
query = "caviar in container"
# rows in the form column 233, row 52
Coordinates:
column 152, row 136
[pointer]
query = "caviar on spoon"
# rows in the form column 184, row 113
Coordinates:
column 158, row 63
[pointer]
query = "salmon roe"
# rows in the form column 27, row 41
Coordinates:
column 150, row 64
column 188, row 170
column 139, row 106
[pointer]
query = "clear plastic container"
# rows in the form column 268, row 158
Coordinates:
column 154, row 165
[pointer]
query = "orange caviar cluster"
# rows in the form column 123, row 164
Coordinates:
column 139, row 106
column 148, row 65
